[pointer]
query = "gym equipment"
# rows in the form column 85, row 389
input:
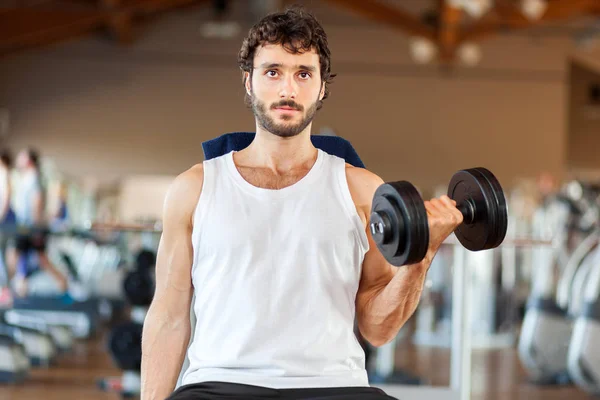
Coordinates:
column 570, row 220
column 399, row 220
column 139, row 288
column 80, row 317
column 60, row 335
column 547, row 328
column 583, row 360
column 125, row 345
column 94, row 269
column 37, row 343
column 125, row 340
column 145, row 260
column 547, row 323
column 480, row 199
column 382, row 368
column 580, row 280
column 492, row 326
column 565, row 283
column 138, row 284
column 544, row 341
column 14, row 364
column 399, row 223
column 43, row 231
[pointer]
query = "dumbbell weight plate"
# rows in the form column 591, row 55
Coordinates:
column 399, row 223
column 125, row 345
column 480, row 186
column 145, row 260
column 139, row 288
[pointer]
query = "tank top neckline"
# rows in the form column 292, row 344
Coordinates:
column 307, row 179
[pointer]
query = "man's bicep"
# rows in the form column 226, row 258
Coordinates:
column 376, row 271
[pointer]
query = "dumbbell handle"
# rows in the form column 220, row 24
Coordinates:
column 381, row 223
column 467, row 209
column 382, row 227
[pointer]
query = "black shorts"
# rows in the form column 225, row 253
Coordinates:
column 32, row 241
column 234, row 391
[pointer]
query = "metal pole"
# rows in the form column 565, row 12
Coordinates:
column 460, row 358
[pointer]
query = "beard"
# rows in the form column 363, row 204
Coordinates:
column 282, row 129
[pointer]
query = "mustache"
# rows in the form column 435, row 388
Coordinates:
column 287, row 103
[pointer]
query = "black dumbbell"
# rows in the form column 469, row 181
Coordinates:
column 399, row 223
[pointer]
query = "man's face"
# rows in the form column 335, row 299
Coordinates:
column 22, row 160
column 285, row 89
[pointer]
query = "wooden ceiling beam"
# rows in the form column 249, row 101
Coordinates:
column 119, row 23
column 448, row 30
column 509, row 11
column 508, row 16
column 560, row 9
column 23, row 27
column 52, row 21
column 123, row 13
column 392, row 16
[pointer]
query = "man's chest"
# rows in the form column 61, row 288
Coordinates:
column 266, row 179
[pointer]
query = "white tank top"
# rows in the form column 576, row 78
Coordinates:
column 275, row 276
column 29, row 186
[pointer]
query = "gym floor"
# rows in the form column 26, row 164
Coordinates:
column 496, row 375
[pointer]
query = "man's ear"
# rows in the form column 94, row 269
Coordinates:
column 248, row 83
column 322, row 94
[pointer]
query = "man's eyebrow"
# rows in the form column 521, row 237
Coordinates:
column 268, row 65
column 309, row 68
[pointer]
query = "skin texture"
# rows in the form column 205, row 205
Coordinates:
column 280, row 155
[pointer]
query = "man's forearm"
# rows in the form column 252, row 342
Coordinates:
column 163, row 349
column 394, row 304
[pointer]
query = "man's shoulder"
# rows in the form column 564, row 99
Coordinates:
column 362, row 184
column 185, row 189
column 362, row 179
column 190, row 177
column 193, row 173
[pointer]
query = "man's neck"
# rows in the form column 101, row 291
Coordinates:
column 279, row 154
column 30, row 171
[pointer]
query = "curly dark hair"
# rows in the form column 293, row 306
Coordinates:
column 34, row 157
column 6, row 158
column 297, row 31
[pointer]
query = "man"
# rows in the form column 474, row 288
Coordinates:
column 273, row 242
column 7, row 215
column 29, row 202
column 29, row 254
